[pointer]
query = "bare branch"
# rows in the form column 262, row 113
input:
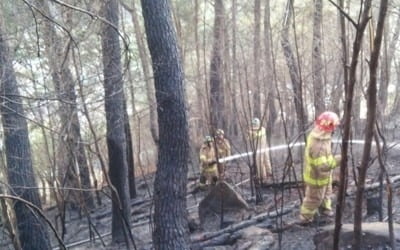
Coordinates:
column 93, row 16
column 344, row 13
column 39, row 211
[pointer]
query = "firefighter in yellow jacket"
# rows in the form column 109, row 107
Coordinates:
column 319, row 163
column 223, row 150
column 258, row 141
column 208, row 162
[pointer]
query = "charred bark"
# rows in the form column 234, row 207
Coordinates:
column 294, row 71
column 217, row 106
column 317, row 65
column 269, row 77
column 170, row 215
column 32, row 230
column 257, row 62
column 349, row 94
column 116, row 137
column 71, row 151
column 370, row 123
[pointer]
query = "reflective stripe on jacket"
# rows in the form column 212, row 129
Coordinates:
column 318, row 167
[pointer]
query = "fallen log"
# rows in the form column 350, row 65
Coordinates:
column 395, row 180
column 286, row 184
column 223, row 239
column 375, row 185
column 235, row 227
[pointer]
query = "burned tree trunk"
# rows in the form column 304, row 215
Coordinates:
column 71, row 152
column 269, row 76
column 386, row 68
column 144, row 60
column 115, row 116
column 349, row 94
column 256, row 56
column 370, row 123
column 31, row 227
column 317, row 64
column 217, row 106
column 294, row 71
column 170, row 215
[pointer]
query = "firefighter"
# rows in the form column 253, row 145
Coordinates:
column 208, row 162
column 258, row 141
column 319, row 163
column 223, row 150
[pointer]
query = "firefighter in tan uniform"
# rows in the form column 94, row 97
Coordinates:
column 258, row 141
column 223, row 150
column 319, row 163
column 208, row 162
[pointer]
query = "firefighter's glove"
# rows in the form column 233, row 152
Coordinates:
column 338, row 159
column 212, row 163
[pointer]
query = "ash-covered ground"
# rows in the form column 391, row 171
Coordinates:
column 92, row 231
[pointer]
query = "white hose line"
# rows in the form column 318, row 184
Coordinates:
column 395, row 145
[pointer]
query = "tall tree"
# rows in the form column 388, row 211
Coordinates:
column 129, row 154
column 257, row 62
column 170, row 214
column 217, row 106
column 71, row 151
column 269, row 76
column 199, row 130
column 317, row 64
column 233, row 85
column 144, row 60
column 348, row 106
column 370, row 124
column 31, row 227
column 150, row 99
column 115, row 116
column 294, row 70
column 385, row 73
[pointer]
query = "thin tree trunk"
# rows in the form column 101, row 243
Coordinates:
column 235, row 68
column 199, row 78
column 317, row 65
column 293, row 68
column 396, row 102
column 386, row 66
column 116, row 137
column 32, row 230
column 349, row 93
column 370, row 123
column 129, row 154
column 217, row 107
column 170, row 214
column 144, row 60
column 257, row 62
column 71, row 152
column 269, row 76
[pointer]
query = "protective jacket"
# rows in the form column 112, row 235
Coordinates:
column 319, row 163
column 258, row 141
column 223, row 150
column 208, row 163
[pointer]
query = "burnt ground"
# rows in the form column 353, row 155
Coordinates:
column 79, row 235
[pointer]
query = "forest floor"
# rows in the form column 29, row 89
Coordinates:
column 92, row 231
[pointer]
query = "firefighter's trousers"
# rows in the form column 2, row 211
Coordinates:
column 209, row 175
column 315, row 198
